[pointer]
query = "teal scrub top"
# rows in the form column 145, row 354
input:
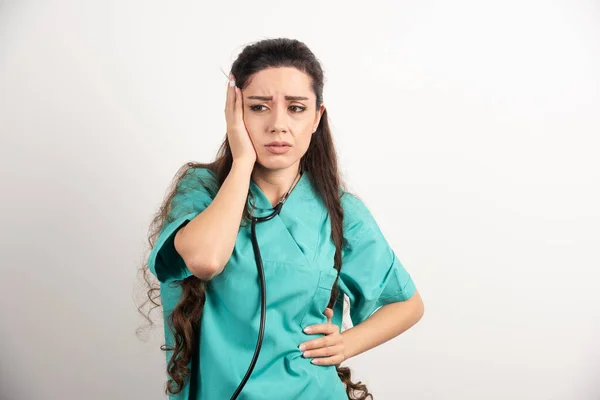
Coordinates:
column 297, row 252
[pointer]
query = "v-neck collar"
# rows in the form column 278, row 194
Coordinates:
column 300, row 192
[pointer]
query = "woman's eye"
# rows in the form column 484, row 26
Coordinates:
column 297, row 109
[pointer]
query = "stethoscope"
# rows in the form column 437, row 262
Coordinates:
column 261, row 274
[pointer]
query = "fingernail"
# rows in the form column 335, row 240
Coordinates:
column 307, row 330
column 302, row 347
column 232, row 82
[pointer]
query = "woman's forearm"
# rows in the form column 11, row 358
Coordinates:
column 207, row 241
column 386, row 323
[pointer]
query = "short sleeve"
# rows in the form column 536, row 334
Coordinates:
column 371, row 274
column 193, row 193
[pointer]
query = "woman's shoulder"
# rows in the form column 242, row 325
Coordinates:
column 199, row 172
column 357, row 216
column 198, row 177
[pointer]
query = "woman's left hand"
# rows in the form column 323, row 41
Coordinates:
column 329, row 349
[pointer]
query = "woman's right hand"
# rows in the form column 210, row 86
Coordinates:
column 241, row 145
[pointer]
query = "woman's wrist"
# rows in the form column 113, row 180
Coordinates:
column 243, row 164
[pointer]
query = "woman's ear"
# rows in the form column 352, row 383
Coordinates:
column 318, row 116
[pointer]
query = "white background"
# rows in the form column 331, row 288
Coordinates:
column 469, row 128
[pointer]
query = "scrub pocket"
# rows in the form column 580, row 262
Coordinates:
column 315, row 310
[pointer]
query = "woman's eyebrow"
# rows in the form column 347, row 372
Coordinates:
column 269, row 98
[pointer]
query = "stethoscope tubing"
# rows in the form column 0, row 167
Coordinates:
column 263, row 307
column 263, row 285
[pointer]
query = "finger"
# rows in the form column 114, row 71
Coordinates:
column 230, row 102
column 324, row 341
column 329, row 314
column 327, row 328
column 238, row 103
column 324, row 351
column 333, row 360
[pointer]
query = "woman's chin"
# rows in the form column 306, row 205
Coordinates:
column 272, row 161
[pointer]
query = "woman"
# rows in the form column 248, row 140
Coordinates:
column 322, row 243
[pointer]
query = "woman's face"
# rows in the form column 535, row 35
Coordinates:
column 279, row 105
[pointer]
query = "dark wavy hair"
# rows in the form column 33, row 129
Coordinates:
column 320, row 161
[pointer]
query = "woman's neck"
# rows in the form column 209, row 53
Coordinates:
column 275, row 183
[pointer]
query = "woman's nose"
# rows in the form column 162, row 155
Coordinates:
column 279, row 118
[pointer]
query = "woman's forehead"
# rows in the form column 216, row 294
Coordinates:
column 285, row 81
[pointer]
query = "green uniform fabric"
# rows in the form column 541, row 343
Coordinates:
column 297, row 252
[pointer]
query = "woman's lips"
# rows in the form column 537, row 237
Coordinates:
column 278, row 149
